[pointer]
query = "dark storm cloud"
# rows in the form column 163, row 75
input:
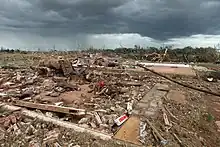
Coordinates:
column 159, row 19
column 172, row 18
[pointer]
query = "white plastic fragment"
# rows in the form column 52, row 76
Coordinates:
column 210, row 79
column 120, row 120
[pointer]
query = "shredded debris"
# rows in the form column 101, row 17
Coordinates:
column 83, row 99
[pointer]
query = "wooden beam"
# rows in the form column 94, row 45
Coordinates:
column 53, row 108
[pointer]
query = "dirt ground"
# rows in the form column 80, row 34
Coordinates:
column 193, row 115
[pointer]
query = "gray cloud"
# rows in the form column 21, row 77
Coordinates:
column 195, row 41
column 68, row 19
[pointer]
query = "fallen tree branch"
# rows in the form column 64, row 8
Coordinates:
column 182, row 84
column 58, row 122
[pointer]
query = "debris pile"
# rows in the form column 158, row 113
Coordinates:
column 105, row 98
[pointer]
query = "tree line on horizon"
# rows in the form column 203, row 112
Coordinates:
column 186, row 54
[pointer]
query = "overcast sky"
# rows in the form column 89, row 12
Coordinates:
column 69, row 24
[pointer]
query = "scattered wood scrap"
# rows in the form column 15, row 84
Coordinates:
column 129, row 84
column 162, row 140
column 58, row 122
column 179, row 141
column 171, row 114
column 53, row 108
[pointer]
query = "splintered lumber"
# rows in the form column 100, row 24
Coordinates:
column 129, row 131
column 98, row 119
column 171, row 114
column 129, row 83
column 162, row 140
column 179, row 141
column 53, row 108
column 58, row 122
column 164, row 55
column 166, row 121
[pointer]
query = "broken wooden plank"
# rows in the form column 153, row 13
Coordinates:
column 58, row 122
column 179, row 141
column 165, row 118
column 171, row 114
column 129, row 83
column 98, row 119
column 53, row 108
column 129, row 132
